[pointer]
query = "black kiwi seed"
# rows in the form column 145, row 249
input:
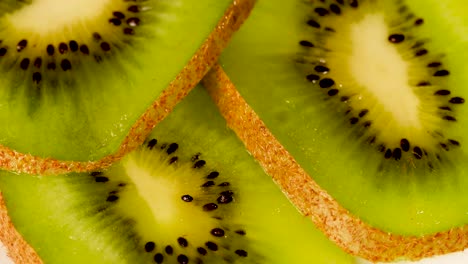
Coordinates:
column 187, row 198
column 128, row 31
column 195, row 157
column 3, row 51
column 119, row 15
column 363, row 113
column 313, row 23
column 84, row 49
column 66, row 65
column 457, row 100
column 449, row 118
column 73, row 45
column 353, row 120
column 24, row 64
column 211, row 246
column 306, row 43
column 37, row 77
column 241, row 232
column 454, row 142
column 182, row 259
column 182, row 242
column 434, row 64
column 101, row 179
column 134, row 9
column 133, row 21
column 217, row 232
column 158, row 258
column 344, row 98
column 152, row 143
column 417, row 152
column 388, row 154
column 241, row 253
column 150, row 246
column 441, row 73
column 354, row 3
column 224, row 199
column 105, row 46
column 50, row 49
column 112, row 198
column 321, row 11
column 210, row 207
column 445, row 108
column 321, row 69
column 172, row 148
column 213, row 175
column 202, row 251
column 421, row 52
column 38, row 63
column 405, row 145
column 169, row 250
column 333, row 92
column 326, row 83
column 21, row 45
column 444, row 146
column 396, row 38
column 335, row 9
column 442, row 92
column 424, row 83
column 419, row 21
column 199, row 164
column 115, row 21
column 63, row 48
column 208, row 184
column 224, row 184
column 340, row 2
column 366, row 125
column 173, row 159
column 97, row 36
column 397, row 154
column 312, row 77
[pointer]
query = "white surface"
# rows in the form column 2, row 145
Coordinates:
column 454, row 258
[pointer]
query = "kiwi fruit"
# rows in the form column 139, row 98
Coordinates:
column 357, row 109
column 179, row 198
column 86, row 81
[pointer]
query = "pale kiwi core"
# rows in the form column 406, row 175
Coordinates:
column 386, row 73
column 32, row 17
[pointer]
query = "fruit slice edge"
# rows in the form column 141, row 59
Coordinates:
column 349, row 232
column 181, row 85
column 260, row 206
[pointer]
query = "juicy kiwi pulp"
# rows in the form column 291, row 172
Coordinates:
column 180, row 198
column 69, row 69
column 369, row 98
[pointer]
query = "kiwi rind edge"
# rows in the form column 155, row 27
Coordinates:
column 193, row 72
column 18, row 249
column 345, row 229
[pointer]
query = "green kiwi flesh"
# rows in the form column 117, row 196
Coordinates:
column 368, row 97
column 157, row 204
column 76, row 76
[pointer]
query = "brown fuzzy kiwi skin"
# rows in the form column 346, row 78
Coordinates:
column 187, row 79
column 345, row 229
column 18, row 249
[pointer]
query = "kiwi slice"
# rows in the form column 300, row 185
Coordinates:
column 367, row 98
column 180, row 198
column 83, row 80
